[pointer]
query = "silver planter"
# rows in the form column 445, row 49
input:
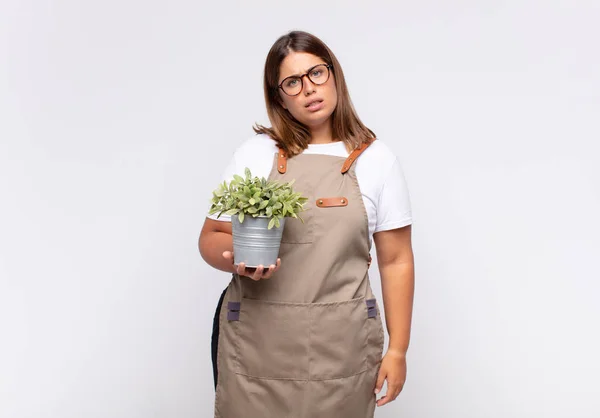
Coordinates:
column 253, row 243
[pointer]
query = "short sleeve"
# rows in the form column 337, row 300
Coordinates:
column 256, row 154
column 393, row 207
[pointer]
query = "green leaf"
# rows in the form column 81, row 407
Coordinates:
column 254, row 196
column 271, row 223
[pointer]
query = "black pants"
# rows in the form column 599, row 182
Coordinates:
column 215, row 337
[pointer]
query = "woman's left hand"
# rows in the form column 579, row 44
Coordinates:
column 393, row 369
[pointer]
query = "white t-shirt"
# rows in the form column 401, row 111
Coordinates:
column 378, row 171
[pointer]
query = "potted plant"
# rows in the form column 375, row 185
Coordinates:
column 258, row 209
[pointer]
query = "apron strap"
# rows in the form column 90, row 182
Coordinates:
column 354, row 155
column 282, row 157
column 281, row 161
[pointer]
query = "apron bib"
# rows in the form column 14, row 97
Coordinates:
column 306, row 343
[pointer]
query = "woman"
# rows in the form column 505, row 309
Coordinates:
column 304, row 337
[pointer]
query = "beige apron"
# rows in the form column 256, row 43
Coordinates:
column 306, row 343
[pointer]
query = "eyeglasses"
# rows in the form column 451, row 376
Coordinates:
column 319, row 74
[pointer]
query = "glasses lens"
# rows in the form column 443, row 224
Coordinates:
column 319, row 74
column 292, row 85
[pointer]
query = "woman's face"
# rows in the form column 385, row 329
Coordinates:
column 314, row 104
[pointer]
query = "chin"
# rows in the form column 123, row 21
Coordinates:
column 316, row 119
column 313, row 123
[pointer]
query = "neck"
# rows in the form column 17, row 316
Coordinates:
column 321, row 134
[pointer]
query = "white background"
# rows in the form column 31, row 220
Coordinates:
column 117, row 117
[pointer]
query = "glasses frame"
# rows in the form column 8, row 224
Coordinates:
column 301, row 78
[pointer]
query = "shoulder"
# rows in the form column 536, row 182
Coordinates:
column 256, row 153
column 378, row 156
column 378, row 169
column 257, row 145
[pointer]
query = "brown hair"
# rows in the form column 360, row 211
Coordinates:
column 290, row 134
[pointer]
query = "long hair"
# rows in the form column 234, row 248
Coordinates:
column 292, row 136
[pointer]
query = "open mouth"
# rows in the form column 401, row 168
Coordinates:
column 314, row 103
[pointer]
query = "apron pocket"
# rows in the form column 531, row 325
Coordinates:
column 338, row 339
column 272, row 339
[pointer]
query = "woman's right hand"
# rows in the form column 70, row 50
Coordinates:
column 253, row 273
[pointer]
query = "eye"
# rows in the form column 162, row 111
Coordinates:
column 317, row 73
column 292, row 82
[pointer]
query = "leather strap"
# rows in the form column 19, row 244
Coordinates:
column 330, row 202
column 354, row 155
column 282, row 157
column 282, row 161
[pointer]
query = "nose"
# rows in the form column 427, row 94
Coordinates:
column 308, row 85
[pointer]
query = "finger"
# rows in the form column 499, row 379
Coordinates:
column 269, row 272
column 392, row 392
column 241, row 269
column 385, row 399
column 380, row 379
column 258, row 273
column 278, row 264
column 250, row 272
column 228, row 255
column 398, row 390
column 389, row 396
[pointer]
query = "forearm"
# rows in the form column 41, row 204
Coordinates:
column 397, row 284
column 212, row 245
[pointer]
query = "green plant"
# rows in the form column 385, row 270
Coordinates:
column 251, row 196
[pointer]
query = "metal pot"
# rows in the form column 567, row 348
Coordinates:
column 255, row 244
